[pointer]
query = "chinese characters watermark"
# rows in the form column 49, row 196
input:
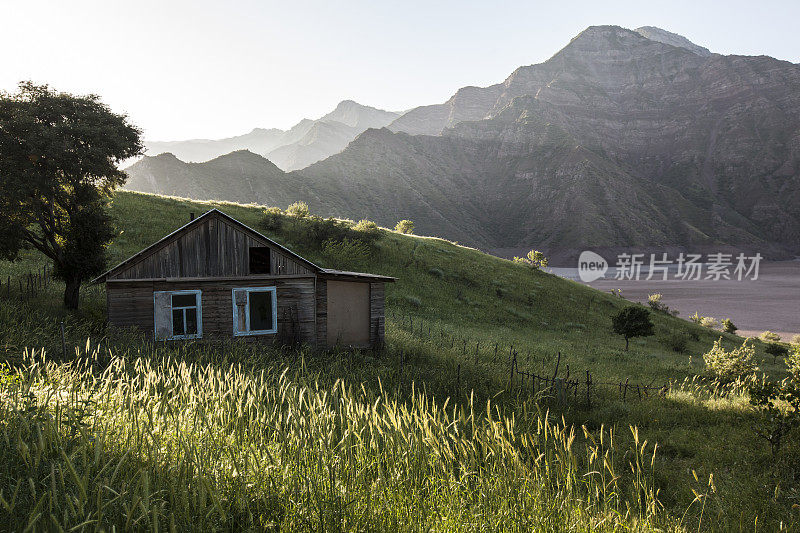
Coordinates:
column 715, row 267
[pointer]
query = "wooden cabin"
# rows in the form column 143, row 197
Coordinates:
column 217, row 278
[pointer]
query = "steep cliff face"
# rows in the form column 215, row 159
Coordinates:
column 722, row 130
column 619, row 139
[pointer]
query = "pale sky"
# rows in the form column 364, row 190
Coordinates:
column 200, row 69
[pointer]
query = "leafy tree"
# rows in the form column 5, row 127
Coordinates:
column 776, row 350
column 632, row 322
column 59, row 156
column 728, row 326
column 405, row 226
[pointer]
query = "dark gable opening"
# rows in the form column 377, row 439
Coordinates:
column 259, row 260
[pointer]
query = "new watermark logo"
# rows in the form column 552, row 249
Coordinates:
column 717, row 266
column 591, row 266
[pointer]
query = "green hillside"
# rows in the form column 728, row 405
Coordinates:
column 455, row 319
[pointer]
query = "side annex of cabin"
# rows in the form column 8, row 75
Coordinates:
column 217, row 278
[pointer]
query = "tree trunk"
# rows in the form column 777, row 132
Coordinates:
column 72, row 293
column 626, row 344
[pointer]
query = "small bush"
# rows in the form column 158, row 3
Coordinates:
column 769, row 336
column 796, row 340
column 728, row 326
column 655, row 303
column 298, row 210
column 404, row 226
column 272, row 219
column 709, row 322
column 367, row 226
column 675, row 341
column 534, row 259
column 696, row 318
column 729, row 366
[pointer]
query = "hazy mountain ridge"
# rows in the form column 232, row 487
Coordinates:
column 617, row 140
column 292, row 148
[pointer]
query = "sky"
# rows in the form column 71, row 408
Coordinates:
column 199, row 69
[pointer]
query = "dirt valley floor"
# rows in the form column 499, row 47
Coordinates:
column 772, row 302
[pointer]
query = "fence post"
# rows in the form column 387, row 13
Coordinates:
column 458, row 379
column 625, row 392
column 588, row 393
column 558, row 362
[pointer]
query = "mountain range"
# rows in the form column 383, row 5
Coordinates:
column 305, row 143
column 624, row 138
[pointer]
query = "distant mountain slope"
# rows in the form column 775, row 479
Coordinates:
column 617, row 140
column 239, row 176
column 294, row 148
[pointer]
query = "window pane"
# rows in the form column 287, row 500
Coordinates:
column 177, row 322
column 191, row 321
column 184, row 300
column 260, row 311
column 259, row 260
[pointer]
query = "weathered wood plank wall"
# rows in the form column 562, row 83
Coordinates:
column 214, row 248
column 131, row 305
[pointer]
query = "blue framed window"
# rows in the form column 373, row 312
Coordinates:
column 255, row 311
column 178, row 314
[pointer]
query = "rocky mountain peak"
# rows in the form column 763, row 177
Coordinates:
column 673, row 39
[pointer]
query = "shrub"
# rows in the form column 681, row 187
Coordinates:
column 534, row 259
column 298, row 210
column 537, row 259
column 776, row 350
column 796, row 340
column 728, row 326
column 730, row 366
column 367, row 226
column 272, row 219
column 778, row 403
column 656, row 304
column 709, row 322
column 404, row 226
column 675, row 341
column 696, row 318
column 769, row 336
column 632, row 322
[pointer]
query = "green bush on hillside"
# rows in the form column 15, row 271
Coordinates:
column 366, row 226
column 769, row 336
column 729, row 366
column 298, row 210
column 405, row 226
column 728, row 326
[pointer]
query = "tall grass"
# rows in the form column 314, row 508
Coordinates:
column 132, row 443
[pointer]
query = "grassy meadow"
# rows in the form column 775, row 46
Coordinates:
column 428, row 434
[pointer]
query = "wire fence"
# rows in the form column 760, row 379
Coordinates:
column 563, row 385
column 28, row 285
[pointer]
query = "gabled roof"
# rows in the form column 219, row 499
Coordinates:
column 213, row 212
column 153, row 248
